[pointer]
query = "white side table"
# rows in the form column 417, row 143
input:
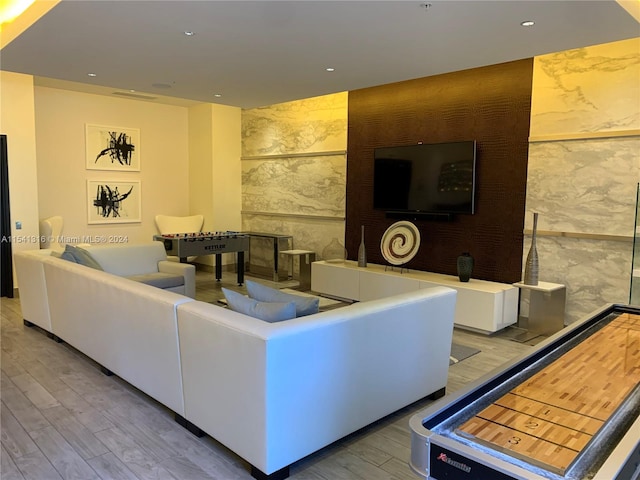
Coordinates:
column 545, row 312
column 306, row 258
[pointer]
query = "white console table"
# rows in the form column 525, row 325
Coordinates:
column 481, row 306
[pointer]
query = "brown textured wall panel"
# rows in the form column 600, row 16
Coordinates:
column 490, row 105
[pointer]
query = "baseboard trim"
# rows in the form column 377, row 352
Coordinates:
column 277, row 475
column 192, row 428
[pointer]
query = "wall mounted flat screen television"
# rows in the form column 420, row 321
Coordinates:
column 434, row 178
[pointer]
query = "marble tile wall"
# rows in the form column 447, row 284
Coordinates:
column 586, row 186
column 582, row 178
column 317, row 124
column 294, row 171
column 595, row 272
column 308, row 234
column 592, row 89
column 300, row 186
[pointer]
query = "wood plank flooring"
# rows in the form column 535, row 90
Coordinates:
column 61, row 418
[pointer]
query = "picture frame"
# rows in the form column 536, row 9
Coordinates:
column 112, row 148
column 114, row 201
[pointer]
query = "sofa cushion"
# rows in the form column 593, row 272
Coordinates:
column 267, row 311
column 262, row 293
column 130, row 259
column 81, row 256
column 159, row 279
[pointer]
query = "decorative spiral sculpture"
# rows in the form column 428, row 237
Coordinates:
column 400, row 243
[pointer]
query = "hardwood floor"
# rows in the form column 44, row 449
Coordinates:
column 63, row 419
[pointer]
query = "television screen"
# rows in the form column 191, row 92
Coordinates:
column 427, row 178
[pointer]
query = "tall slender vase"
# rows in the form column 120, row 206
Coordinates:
column 465, row 266
column 531, row 266
column 362, row 252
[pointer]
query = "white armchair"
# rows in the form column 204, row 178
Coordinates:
column 167, row 224
column 50, row 231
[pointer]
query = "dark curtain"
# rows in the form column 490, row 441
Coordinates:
column 6, row 268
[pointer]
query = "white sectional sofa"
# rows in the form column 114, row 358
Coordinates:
column 271, row 392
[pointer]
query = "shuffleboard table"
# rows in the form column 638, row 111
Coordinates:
column 568, row 410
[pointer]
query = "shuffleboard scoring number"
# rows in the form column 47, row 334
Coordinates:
column 514, row 440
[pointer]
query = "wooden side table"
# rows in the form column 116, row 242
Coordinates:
column 306, row 258
column 545, row 314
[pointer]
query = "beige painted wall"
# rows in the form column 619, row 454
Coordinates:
column 214, row 169
column 200, row 165
column 227, row 174
column 62, row 177
column 17, row 121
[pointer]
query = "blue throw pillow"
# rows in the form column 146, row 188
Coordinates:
column 267, row 311
column 262, row 293
column 81, row 256
column 64, row 255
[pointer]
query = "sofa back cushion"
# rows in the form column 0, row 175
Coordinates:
column 129, row 259
column 263, row 293
column 267, row 311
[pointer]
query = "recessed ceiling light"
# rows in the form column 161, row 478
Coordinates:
column 92, row 74
column 330, row 69
column 217, row 95
column 189, row 33
column 528, row 23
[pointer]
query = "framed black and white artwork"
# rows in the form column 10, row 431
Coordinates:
column 112, row 148
column 113, row 201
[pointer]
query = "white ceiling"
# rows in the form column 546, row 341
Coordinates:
column 257, row 53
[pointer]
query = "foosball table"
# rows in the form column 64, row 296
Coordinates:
column 184, row 245
column 570, row 409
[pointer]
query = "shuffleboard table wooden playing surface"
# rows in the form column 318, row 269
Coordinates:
column 568, row 410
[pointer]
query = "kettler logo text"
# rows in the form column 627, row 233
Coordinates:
column 465, row 468
column 218, row 246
